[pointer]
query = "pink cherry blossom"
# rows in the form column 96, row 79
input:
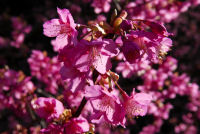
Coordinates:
column 160, row 10
column 96, row 53
column 105, row 104
column 136, row 104
column 129, row 70
column 48, row 108
column 148, row 43
column 152, row 128
column 63, row 28
column 76, row 125
column 73, row 126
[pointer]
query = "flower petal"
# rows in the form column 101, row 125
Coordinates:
column 51, row 28
column 62, row 39
column 102, row 63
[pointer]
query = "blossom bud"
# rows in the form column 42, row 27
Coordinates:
column 119, row 20
column 114, row 76
column 131, row 51
column 126, row 25
column 157, row 28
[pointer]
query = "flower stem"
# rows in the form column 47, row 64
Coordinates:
column 85, row 34
column 120, row 89
column 40, row 91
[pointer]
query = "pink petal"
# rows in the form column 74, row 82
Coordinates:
column 119, row 115
column 62, row 39
column 56, row 47
column 77, row 126
column 106, row 7
column 102, row 64
column 83, row 124
column 48, row 108
column 97, row 10
column 83, row 63
column 96, row 117
column 92, row 91
column 166, row 41
column 65, row 16
column 67, row 72
column 109, row 113
column 110, row 48
column 77, row 84
column 51, row 28
column 143, row 98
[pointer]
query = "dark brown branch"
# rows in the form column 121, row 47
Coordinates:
column 80, row 108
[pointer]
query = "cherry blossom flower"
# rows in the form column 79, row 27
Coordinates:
column 76, row 125
column 136, row 104
column 63, row 28
column 160, row 10
column 129, row 70
column 86, row 55
column 48, row 108
column 105, row 104
column 147, row 43
column 72, row 126
column 97, row 54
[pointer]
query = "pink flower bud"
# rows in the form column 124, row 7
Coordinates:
column 126, row 25
column 131, row 51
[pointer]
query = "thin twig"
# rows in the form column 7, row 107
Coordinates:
column 40, row 91
column 118, row 7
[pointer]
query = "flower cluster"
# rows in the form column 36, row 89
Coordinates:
column 46, row 70
column 53, row 110
column 106, row 74
column 161, row 10
column 165, row 84
column 92, row 53
column 15, row 89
